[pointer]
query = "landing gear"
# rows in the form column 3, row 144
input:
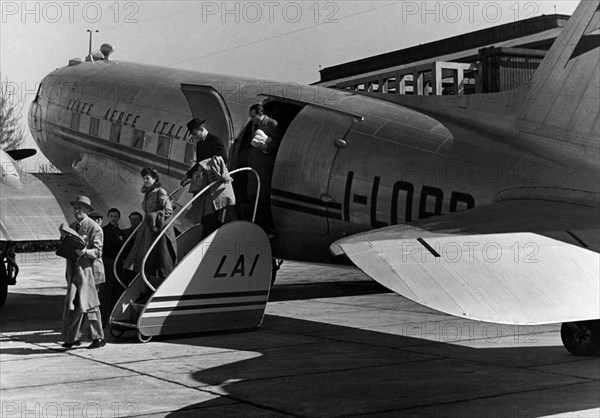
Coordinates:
column 3, row 284
column 8, row 270
column 276, row 266
column 581, row 338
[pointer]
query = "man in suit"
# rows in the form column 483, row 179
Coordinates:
column 114, row 237
column 82, row 306
column 135, row 218
column 266, row 137
column 96, row 217
column 207, row 146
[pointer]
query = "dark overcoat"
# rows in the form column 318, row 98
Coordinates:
column 264, row 161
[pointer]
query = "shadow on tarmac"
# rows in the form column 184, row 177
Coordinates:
column 302, row 291
column 21, row 316
column 351, row 371
column 309, row 368
column 21, row 313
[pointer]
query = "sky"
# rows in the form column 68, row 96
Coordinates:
column 275, row 40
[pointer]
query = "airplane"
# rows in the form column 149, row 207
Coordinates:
column 482, row 206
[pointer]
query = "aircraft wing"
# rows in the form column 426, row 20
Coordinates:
column 515, row 262
column 32, row 208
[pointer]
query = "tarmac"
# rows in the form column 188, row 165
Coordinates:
column 333, row 343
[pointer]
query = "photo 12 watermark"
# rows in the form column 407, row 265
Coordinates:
column 269, row 11
column 466, row 331
column 68, row 409
column 453, row 252
column 69, row 12
column 467, row 11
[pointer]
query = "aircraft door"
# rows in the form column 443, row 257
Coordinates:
column 299, row 195
column 207, row 103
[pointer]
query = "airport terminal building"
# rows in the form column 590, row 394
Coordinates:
column 490, row 60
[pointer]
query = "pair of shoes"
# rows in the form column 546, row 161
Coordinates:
column 73, row 344
column 97, row 343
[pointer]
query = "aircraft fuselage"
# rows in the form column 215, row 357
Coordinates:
column 346, row 164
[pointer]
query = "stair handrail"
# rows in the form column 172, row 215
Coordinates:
column 183, row 209
column 115, row 265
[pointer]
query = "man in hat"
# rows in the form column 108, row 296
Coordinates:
column 96, row 217
column 207, row 146
column 82, row 307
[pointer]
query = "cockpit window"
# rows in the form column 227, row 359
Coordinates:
column 39, row 93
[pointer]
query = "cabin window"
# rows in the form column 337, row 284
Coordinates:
column 164, row 146
column 190, row 153
column 139, row 137
column 94, row 126
column 115, row 132
column 75, row 121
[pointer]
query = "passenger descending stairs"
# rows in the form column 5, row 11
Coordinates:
column 220, row 283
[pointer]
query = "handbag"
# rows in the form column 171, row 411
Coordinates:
column 198, row 180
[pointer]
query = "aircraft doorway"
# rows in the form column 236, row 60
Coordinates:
column 240, row 156
column 299, row 193
column 206, row 103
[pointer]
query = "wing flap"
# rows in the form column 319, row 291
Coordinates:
column 547, row 276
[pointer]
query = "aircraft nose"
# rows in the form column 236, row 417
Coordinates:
column 34, row 117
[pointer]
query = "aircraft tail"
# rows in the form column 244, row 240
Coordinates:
column 562, row 109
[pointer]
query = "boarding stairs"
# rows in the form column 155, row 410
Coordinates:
column 220, row 282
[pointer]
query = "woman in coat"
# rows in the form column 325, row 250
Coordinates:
column 157, row 211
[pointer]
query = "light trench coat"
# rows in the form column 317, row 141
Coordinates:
column 84, row 274
column 164, row 255
column 218, row 196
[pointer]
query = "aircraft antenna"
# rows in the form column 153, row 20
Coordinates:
column 89, row 57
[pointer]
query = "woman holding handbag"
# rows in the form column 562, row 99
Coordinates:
column 157, row 211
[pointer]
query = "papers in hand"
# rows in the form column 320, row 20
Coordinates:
column 71, row 242
column 260, row 140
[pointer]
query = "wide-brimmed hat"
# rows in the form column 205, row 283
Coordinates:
column 95, row 215
column 83, row 201
column 195, row 123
